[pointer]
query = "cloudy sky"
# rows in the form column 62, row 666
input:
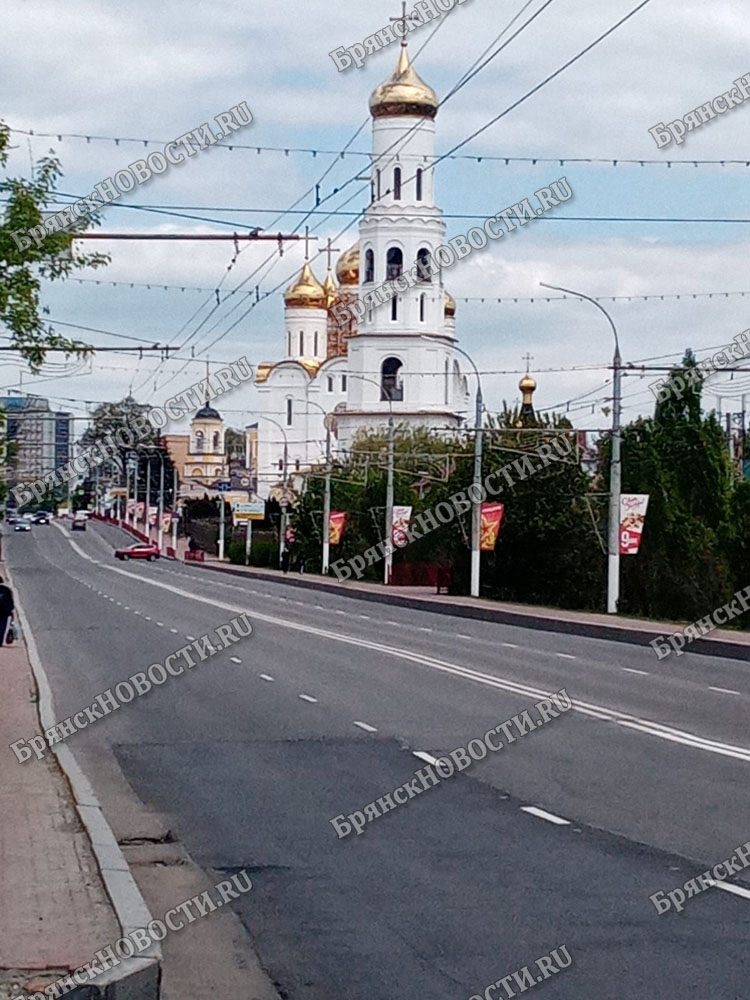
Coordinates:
column 140, row 71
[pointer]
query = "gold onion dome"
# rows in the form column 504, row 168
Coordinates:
column 450, row 306
column 527, row 383
column 404, row 93
column 347, row 266
column 306, row 292
column 331, row 290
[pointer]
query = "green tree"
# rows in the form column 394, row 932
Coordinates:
column 23, row 271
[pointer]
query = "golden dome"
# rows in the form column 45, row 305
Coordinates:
column 404, row 93
column 306, row 292
column 347, row 266
column 450, row 306
column 331, row 289
column 527, row 383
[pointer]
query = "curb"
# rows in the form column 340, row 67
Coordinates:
column 135, row 978
column 595, row 630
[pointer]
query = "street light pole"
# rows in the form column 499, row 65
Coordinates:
column 476, row 502
column 615, row 468
column 174, row 511
column 160, row 534
column 147, row 504
column 326, row 491
column 389, row 505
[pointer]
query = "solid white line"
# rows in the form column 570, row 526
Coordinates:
column 724, row 690
column 235, row 659
column 265, row 677
column 308, row 697
column 510, row 645
column 632, row 670
column 367, row 729
column 428, row 758
column 565, row 656
column 542, row 814
column 728, row 887
column 656, row 729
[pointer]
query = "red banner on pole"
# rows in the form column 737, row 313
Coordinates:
column 632, row 518
column 492, row 516
column 336, row 523
column 399, row 531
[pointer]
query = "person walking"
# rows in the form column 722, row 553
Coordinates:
column 285, row 557
column 7, row 607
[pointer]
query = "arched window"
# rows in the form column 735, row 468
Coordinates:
column 447, row 380
column 424, row 264
column 377, row 178
column 296, row 465
column 369, row 266
column 291, row 350
column 419, row 184
column 422, row 305
column 199, row 442
column 397, row 184
column 315, row 342
column 394, row 263
column 394, row 307
column 289, row 413
column 390, row 381
column 216, row 442
column 198, row 473
column 301, row 343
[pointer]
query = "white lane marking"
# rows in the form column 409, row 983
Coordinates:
column 565, row 656
column 367, row 729
column 423, row 628
column 308, row 697
column 462, row 635
column 360, row 616
column 510, row 645
column 173, row 630
column 728, row 887
column 147, row 617
column 428, row 758
column 137, row 613
column 190, row 637
column 235, row 659
column 160, row 624
column 127, row 607
column 724, row 690
column 119, row 604
column 632, row 670
column 265, row 677
column 543, row 814
column 636, row 723
column 392, row 623
column 336, row 610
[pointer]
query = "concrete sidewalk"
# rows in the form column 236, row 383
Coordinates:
column 56, row 912
column 721, row 642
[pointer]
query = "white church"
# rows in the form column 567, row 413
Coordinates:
column 399, row 359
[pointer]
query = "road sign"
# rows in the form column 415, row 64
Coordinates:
column 249, row 511
column 224, row 486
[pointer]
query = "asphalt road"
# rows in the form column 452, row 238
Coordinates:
column 323, row 713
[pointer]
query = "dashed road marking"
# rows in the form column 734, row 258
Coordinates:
column 565, row 656
column 728, row 887
column 265, row 677
column 308, row 697
column 724, row 690
column 147, row 617
column 235, row 659
column 428, row 758
column 173, row 630
column 632, row 670
column 423, row 628
column 160, row 624
column 190, row 637
column 367, row 729
column 543, row 814
column 509, row 645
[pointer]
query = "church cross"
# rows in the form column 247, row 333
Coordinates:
column 402, row 19
column 330, row 250
column 528, row 359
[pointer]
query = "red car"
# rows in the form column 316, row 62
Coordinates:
column 141, row 550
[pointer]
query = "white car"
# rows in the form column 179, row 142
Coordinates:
column 22, row 524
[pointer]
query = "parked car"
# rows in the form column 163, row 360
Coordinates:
column 22, row 524
column 41, row 517
column 11, row 516
column 79, row 521
column 140, row 550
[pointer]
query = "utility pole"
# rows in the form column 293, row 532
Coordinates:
column 147, row 504
column 248, row 540
column 160, row 534
column 327, row 503
column 283, row 504
column 476, row 508
column 174, row 512
column 221, row 527
column 389, row 505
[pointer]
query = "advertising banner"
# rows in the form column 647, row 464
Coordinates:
column 492, row 517
column 336, row 524
column 632, row 518
column 401, row 518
